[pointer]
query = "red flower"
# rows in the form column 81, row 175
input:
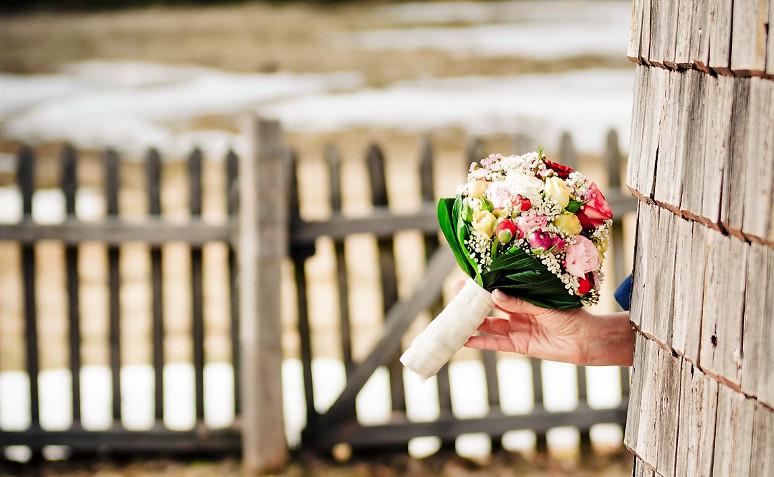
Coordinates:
column 524, row 203
column 560, row 169
column 585, row 284
column 596, row 208
column 584, row 221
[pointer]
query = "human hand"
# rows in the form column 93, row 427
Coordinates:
column 572, row 336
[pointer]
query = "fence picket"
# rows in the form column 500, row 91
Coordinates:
column 334, row 170
column 26, row 179
column 304, row 331
column 232, row 209
column 69, row 184
column 377, row 175
column 153, row 189
column 197, row 292
column 112, row 184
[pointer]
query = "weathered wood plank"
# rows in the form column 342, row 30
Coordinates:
column 770, row 45
column 641, row 469
column 719, row 97
column 758, row 200
column 635, row 40
column 721, row 340
column 668, row 32
column 692, row 146
column 646, row 444
column 646, row 32
column 748, row 52
column 663, row 276
column 691, row 259
column 641, row 291
column 668, row 170
column 670, row 413
column 263, row 238
column 685, row 34
column 758, row 332
column 701, row 28
column 642, row 76
column 732, row 199
column 761, row 462
column 696, row 436
column 657, row 109
column 641, row 375
column 733, row 439
column 720, row 36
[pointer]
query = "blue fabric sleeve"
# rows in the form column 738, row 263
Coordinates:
column 623, row 295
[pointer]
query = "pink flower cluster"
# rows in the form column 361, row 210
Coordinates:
column 546, row 209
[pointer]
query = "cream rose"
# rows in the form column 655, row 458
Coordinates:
column 568, row 223
column 558, row 191
column 477, row 188
column 524, row 185
column 484, row 222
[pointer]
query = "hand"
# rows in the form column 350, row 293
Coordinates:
column 573, row 336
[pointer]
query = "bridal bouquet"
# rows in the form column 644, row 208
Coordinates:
column 523, row 224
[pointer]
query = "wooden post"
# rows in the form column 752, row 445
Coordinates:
column 263, row 232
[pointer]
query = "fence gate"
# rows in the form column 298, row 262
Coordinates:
column 339, row 424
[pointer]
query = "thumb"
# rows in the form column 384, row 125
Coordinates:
column 512, row 304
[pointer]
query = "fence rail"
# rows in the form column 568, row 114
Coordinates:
column 325, row 427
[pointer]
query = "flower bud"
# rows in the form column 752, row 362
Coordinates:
column 477, row 188
column 568, row 223
column 584, row 285
column 505, row 231
column 558, row 191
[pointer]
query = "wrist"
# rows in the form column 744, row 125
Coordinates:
column 610, row 340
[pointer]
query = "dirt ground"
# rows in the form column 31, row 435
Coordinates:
column 503, row 464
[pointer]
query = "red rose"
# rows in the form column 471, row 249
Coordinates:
column 585, row 284
column 596, row 208
column 560, row 169
column 584, row 221
column 524, row 203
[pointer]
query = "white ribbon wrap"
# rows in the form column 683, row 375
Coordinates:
column 449, row 331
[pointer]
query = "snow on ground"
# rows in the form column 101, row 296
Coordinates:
column 541, row 30
column 131, row 106
column 468, row 384
column 586, row 103
column 134, row 105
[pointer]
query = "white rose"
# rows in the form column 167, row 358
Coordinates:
column 524, row 185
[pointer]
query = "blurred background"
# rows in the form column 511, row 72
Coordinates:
column 132, row 76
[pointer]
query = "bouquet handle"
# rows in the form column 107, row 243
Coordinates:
column 449, row 331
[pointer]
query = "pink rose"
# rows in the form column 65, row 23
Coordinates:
column 499, row 194
column 526, row 223
column 596, row 208
column 582, row 257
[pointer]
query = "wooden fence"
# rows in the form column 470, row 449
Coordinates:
column 263, row 227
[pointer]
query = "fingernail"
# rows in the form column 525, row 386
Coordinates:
column 498, row 294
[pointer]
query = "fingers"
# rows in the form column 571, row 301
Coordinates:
column 495, row 343
column 510, row 304
column 505, row 326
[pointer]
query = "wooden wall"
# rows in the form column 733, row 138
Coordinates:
column 702, row 165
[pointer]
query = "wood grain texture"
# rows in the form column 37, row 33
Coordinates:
column 640, row 365
column 719, row 97
column 691, row 259
column 758, row 193
column 761, row 462
column 639, row 107
column 702, row 21
column 635, row 39
column 669, row 412
column 749, row 26
column 696, row 435
column 692, row 146
column 644, row 441
column 663, row 274
column 641, row 469
column 685, row 34
column 733, row 439
column 758, row 331
column 643, row 292
column 657, row 109
column 724, row 279
column 732, row 199
column 770, row 45
column 721, row 15
column 668, row 170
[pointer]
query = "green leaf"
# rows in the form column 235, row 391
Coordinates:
column 446, row 220
column 574, row 206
